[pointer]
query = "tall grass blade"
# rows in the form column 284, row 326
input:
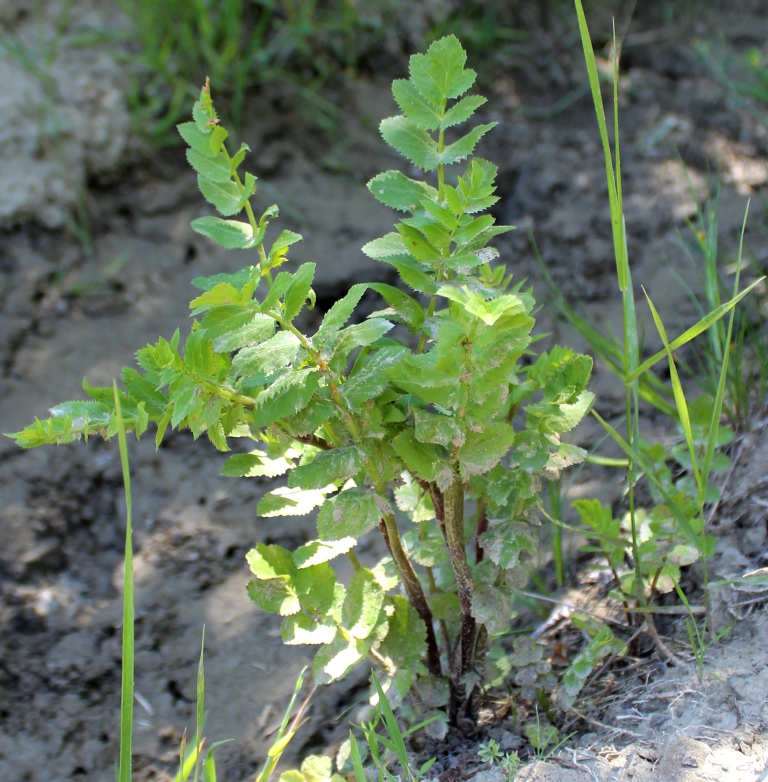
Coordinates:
column 200, row 711
column 392, row 727
column 714, row 424
column 126, row 696
column 357, row 761
column 594, row 83
column 287, row 730
column 680, row 400
column 708, row 320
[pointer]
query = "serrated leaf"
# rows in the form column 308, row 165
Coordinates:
column 231, row 234
column 419, row 375
column 338, row 315
column 415, row 106
column 464, row 147
column 461, row 111
column 417, row 245
column 318, row 551
column 426, row 461
column 388, row 246
column 413, row 500
column 414, row 277
column 491, row 607
column 268, row 357
column 240, row 465
column 361, row 335
column 332, row 466
column 225, row 196
column 410, row 141
column 505, row 540
column 199, row 140
column 303, row 629
column 362, row 604
column 349, row 514
column 440, row 73
column 370, row 379
column 483, row 450
column 311, row 418
column 215, row 169
column 268, row 562
column 279, row 250
column 285, row 501
column 298, row 291
column 436, row 428
column 286, row 396
column 237, row 280
column 257, row 329
column 426, row 546
column 335, row 660
column 220, row 322
column 275, row 596
column 471, row 227
column 395, row 190
column 405, row 305
column 444, row 216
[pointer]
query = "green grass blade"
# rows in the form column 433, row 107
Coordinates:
column 393, row 728
column 594, row 84
column 126, row 697
column 200, row 710
column 284, row 735
column 717, row 410
column 680, row 400
column 209, row 768
column 187, row 761
column 357, row 761
column 708, row 320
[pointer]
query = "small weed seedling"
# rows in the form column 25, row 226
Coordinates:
column 366, row 426
column 508, row 762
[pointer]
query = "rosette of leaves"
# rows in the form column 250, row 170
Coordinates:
column 531, row 671
column 368, row 429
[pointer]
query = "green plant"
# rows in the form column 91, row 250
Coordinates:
column 364, row 424
column 239, row 45
column 747, row 376
column 508, row 762
column 128, row 641
column 674, row 532
column 384, row 748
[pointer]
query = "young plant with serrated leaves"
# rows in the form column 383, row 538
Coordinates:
column 601, row 643
column 447, row 430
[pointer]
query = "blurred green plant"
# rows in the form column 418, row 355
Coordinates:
column 238, row 44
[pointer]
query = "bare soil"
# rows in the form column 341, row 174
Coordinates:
column 69, row 310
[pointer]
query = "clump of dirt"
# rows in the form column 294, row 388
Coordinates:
column 68, row 311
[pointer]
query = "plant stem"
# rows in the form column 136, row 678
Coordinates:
column 482, row 526
column 556, row 510
column 454, row 533
column 413, row 589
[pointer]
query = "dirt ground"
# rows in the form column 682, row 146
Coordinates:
column 70, row 309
